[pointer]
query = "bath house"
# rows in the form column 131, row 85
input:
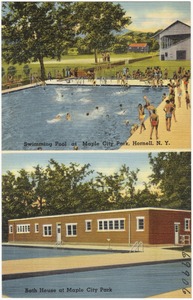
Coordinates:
column 152, row 226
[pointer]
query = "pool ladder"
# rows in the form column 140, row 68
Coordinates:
column 59, row 244
column 137, row 247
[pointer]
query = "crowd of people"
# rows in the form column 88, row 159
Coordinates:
column 176, row 87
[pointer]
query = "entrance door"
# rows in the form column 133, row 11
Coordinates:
column 58, row 233
column 176, row 233
column 180, row 54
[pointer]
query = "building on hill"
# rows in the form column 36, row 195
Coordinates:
column 120, row 227
column 174, row 42
column 138, row 47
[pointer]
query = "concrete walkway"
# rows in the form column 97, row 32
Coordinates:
column 179, row 138
column 56, row 265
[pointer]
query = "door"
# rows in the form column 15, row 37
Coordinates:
column 181, row 55
column 176, row 233
column 58, row 233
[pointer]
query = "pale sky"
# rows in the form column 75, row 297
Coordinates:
column 154, row 15
column 106, row 162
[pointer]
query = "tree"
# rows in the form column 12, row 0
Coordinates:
column 39, row 183
column 171, row 172
column 65, row 188
column 26, row 70
column 147, row 198
column 118, row 189
column 11, row 71
column 17, row 198
column 98, row 21
column 32, row 31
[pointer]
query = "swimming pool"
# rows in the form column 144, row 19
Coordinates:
column 11, row 252
column 130, row 282
column 101, row 116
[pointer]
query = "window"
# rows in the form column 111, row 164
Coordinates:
column 47, row 230
column 71, row 229
column 36, row 227
column 111, row 224
column 140, row 223
column 10, row 228
column 186, row 224
column 23, row 228
column 88, row 225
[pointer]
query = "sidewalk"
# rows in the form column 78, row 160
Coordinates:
column 57, row 265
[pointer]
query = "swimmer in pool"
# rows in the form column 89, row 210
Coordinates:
column 68, row 117
column 58, row 117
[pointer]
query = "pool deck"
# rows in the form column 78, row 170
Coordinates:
column 179, row 138
column 59, row 265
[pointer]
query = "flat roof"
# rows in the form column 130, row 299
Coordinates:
column 102, row 212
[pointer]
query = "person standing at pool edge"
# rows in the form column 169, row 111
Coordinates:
column 168, row 110
column 141, row 117
column 154, row 120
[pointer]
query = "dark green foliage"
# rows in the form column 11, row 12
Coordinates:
column 11, row 71
column 172, row 173
column 26, row 70
column 32, row 31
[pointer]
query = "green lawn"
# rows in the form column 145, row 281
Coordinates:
column 81, row 62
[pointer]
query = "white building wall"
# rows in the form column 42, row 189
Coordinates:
column 171, row 52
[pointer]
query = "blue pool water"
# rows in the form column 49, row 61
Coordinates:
column 132, row 282
column 11, row 253
column 99, row 116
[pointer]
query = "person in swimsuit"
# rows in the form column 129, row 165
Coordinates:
column 68, row 117
column 57, row 117
column 187, row 97
column 173, row 108
column 141, row 117
column 179, row 92
column 154, row 120
column 168, row 113
column 147, row 101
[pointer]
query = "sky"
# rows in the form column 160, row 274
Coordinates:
column 154, row 15
column 106, row 162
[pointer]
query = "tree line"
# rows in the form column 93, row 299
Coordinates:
column 33, row 31
column 62, row 189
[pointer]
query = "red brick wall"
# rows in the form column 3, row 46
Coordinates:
column 159, row 228
column 162, row 226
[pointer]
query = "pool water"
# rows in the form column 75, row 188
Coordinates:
column 11, row 253
column 101, row 116
column 130, row 282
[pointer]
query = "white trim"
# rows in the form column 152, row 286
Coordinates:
column 137, row 223
column 187, row 220
column 104, row 224
column 103, row 212
column 35, row 227
column 86, row 227
column 22, row 228
column 71, row 224
column 11, row 229
column 47, row 235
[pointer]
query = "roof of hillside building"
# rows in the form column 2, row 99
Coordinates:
column 136, row 45
column 173, row 24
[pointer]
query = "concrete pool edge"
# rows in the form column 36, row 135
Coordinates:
column 113, row 83
column 58, row 247
column 85, row 269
